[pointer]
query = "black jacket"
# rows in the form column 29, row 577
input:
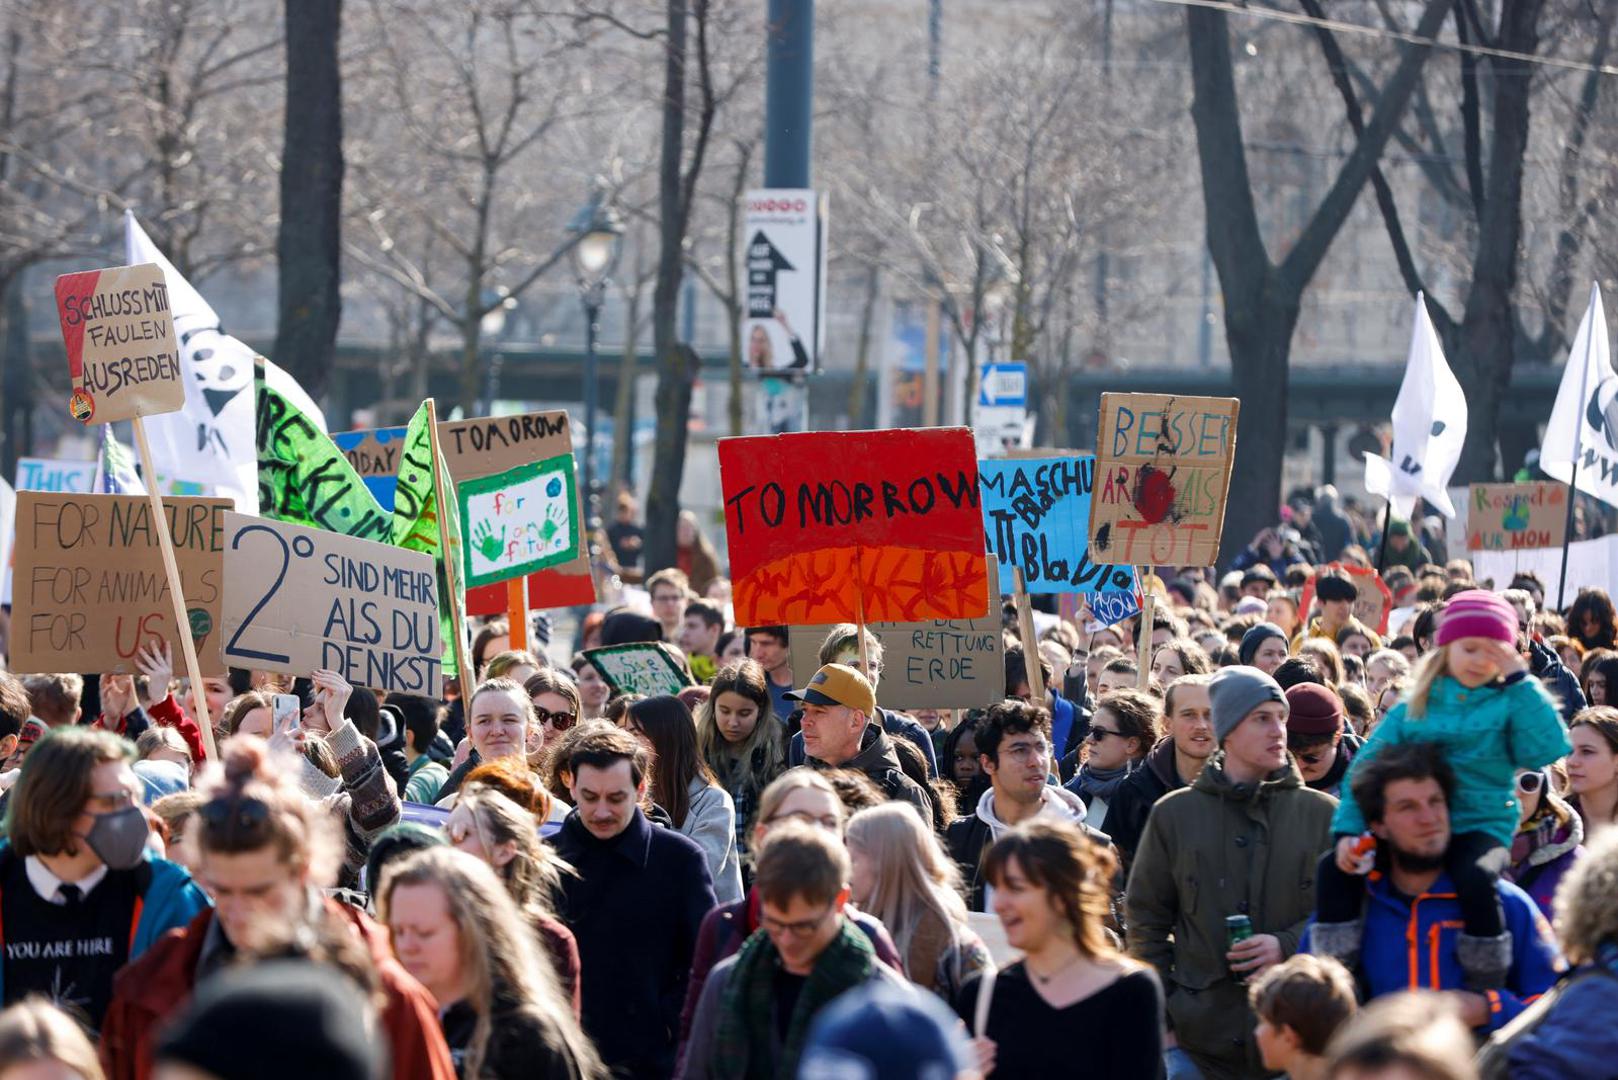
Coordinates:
column 523, row 1043
column 1548, row 668
column 878, row 760
column 1132, row 804
column 635, row 909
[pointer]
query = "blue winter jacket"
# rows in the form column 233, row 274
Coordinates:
column 1412, row 946
column 1487, row 734
column 170, row 900
column 1577, row 1036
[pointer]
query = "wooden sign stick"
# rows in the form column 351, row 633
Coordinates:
column 467, row 679
column 1144, row 644
column 171, row 567
column 1030, row 644
column 517, row 610
column 859, row 615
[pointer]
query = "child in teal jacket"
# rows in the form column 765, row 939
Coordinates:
column 1474, row 698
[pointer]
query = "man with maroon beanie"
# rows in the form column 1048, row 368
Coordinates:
column 1316, row 737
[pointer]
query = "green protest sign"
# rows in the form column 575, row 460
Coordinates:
column 519, row 520
column 644, row 668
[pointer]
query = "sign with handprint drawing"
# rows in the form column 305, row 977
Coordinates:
column 1512, row 517
column 520, row 520
column 849, row 526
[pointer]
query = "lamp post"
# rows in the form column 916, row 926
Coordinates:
column 600, row 235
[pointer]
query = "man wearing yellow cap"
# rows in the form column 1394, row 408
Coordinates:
column 838, row 733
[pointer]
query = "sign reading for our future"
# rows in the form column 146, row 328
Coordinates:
column 936, row 664
column 122, row 353
column 848, row 526
column 1037, row 513
column 89, row 589
column 296, row 599
column 489, row 446
column 1511, row 517
column 1162, row 473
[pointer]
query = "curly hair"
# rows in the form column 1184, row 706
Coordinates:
column 1597, row 603
column 1586, row 917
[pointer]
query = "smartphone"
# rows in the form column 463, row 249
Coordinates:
column 286, row 712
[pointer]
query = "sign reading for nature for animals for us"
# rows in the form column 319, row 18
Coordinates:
column 1162, row 472
column 848, row 526
column 121, row 350
column 89, row 589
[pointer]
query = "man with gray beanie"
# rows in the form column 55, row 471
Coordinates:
column 1239, row 844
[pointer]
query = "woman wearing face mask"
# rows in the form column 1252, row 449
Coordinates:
column 487, row 824
column 457, row 930
column 265, row 852
column 1548, row 841
column 902, row 876
column 683, row 786
column 76, row 869
column 799, row 794
column 743, row 753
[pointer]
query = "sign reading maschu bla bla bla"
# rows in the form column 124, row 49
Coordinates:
column 122, row 354
column 1036, row 511
column 828, row 527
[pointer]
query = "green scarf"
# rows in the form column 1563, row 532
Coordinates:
column 747, row 1014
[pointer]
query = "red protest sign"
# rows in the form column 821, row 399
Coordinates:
column 1373, row 604
column 122, row 353
column 827, row 526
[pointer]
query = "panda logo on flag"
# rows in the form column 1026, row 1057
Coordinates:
column 1602, row 411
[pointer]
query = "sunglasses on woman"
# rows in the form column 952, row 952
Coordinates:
column 560, row 721
column 1530, row 782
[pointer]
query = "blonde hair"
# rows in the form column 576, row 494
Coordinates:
column 788, row 782
column 34, row 1030
column 913, row 875
column 500, row 954
column 533, row 877
column 1428, row 670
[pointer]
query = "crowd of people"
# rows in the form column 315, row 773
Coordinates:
column 1310, row 839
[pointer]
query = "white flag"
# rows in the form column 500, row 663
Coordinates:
column 1429, row 428
column 1584, row 421
column 208, row 447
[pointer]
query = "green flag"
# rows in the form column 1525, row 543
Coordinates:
column 303, row 478
column 415, row 523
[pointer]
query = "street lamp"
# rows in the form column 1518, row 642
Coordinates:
column 595, row 252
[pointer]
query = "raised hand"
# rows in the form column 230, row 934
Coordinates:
column 332, row 692
column 156, row 662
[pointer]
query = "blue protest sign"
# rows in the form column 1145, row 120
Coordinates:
column 1109, row 609
column 1036, row 512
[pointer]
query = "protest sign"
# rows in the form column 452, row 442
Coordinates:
column 1112, row 608
column 296, row 599
column 487, row 445
column 1371, row 606
column 375, row 455
column 935, row 664
column 1036, row 511
column 1162, row 473
column 1506, row 517
column 48, row 474
column 643, row 668
column 121, row 348
column 534, row 508
column 90, row 587
column 855, row 526
column 785, row 262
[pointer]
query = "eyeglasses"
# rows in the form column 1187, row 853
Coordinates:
column 234, row 819
column 561, row 721
column 1530, row 782
column 1312, row 757
column 800, row 929
column 1099, row 733
column 1027, row 751
column 829, row 823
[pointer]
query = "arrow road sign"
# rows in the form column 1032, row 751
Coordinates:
column 764, row 261
column 1004, row 384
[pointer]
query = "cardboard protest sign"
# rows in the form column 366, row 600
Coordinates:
column 1371, row 606
column 296, row 599
column 90, row 589
column 827, row 526
column 1162, row 473
column 49, row 474
column 936, row 664
column 485, row 446
column 535, row 507
column 1036, row 511
column 121, row 348
column 643, row 668
column 1508, row 517
column 375, row 455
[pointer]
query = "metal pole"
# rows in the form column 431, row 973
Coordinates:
column 592, row 313
column 935, row 46
column 789, row 91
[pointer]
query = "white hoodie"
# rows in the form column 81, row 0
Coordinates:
column 1056, row 804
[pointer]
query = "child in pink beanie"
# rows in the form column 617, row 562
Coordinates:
column 1473, row 697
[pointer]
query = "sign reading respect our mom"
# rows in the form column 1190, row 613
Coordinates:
column 122, row 353
column 1162, row 473
column 846, row 526
column 1511, row 517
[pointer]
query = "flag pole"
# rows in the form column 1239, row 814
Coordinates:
column 1382, row 550
column 171, row 567
column 1578, row 448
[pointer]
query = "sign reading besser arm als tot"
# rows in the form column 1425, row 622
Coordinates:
column 1162, row 473
column 785, row 263
column 122, row 352
column 297, row 599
